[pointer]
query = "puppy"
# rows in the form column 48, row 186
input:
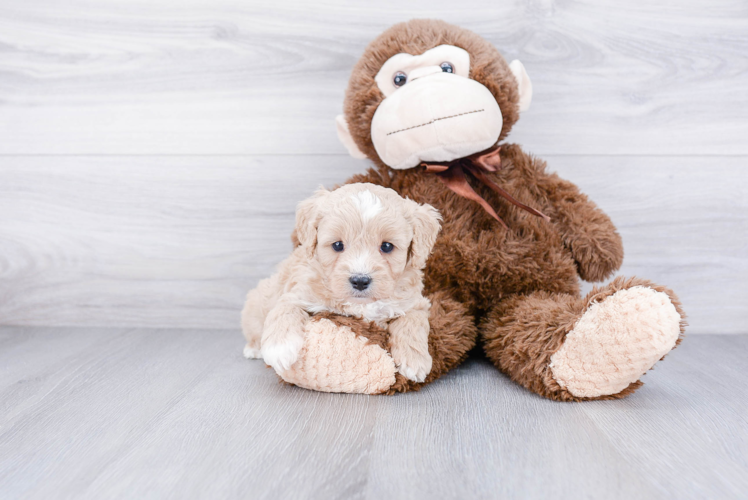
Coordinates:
column 361, row 250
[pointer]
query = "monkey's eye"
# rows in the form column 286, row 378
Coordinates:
column 387, row 247
column 447, row 67
column 338, row 246
column 399, row 79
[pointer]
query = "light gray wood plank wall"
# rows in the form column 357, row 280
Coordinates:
column 177, row 241
column 152, row 153
column 255, row 77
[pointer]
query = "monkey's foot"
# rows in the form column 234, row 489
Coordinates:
column 616, row 341
column 334, row 359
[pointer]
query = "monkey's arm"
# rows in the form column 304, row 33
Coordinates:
column 587, row 231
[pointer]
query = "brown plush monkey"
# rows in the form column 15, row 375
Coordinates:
column 429, row 103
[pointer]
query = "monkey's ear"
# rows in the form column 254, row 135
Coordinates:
column 345, row 137
column 524, row 84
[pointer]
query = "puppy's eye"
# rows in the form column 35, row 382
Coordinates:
column 387, row 247
column 399, row 79
column 338, row 246
column 447, row 67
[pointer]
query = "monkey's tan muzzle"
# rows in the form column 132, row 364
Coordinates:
column 435, row 118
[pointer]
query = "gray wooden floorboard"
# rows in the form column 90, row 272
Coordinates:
column 180, row 414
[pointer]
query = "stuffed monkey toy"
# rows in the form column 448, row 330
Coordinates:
column 429, row 104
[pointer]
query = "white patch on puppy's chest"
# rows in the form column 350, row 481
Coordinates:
column 379, row 311
column 367, row 204
column 382, row 310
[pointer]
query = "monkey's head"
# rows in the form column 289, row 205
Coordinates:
column 428, row 91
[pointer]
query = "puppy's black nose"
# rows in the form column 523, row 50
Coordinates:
column 360, row 281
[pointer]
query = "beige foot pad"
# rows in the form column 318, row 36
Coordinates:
column 334, row 359
column 615, row 342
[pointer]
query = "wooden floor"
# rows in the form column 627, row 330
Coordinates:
column 134, row 413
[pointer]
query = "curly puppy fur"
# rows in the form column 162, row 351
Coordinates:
column 518, row 287
column 320, row 277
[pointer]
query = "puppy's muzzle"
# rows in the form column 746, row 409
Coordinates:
column 360, row 281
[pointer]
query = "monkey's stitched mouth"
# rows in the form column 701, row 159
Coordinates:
column 436, row 120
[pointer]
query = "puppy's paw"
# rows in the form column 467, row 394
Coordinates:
column 282, row 355
column 252, row 353
column 414, row 365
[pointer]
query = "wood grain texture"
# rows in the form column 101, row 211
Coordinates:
column 180, row 414
column 178, row 241
column 151, row 153
column 238, row 77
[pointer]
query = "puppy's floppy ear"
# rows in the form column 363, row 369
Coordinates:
column 425, row 220
column 308, row 215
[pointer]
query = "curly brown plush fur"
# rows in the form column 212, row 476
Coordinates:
column 523, row 332
column 415, row 37
column 481, row 264
column 519, row 287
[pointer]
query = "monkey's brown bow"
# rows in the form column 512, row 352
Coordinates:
column 452, row 175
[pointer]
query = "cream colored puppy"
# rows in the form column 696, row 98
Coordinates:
column 361, row 252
